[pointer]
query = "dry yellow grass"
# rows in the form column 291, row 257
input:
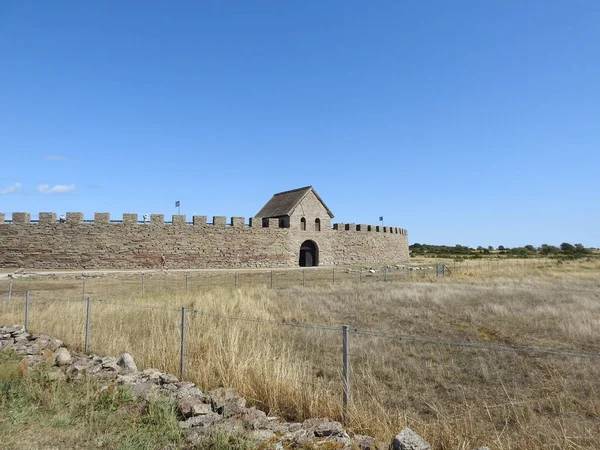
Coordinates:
column 456, row 397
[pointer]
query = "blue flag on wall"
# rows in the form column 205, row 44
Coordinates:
column 381, row 218
column 177, row 203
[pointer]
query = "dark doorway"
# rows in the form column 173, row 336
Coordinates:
column 309, row 254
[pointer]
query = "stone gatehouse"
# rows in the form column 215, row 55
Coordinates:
column 293, row 229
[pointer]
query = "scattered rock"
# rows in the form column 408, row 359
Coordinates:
column 151, row 375
column 62, row 357
column 364, row 442
column 223, row 408
column 255, row 418
column 227, row 401
column 204, row 420
column 407, row 439
column 167, row 378
column 56, row 375
column 143, row 390
column 127, row 364
column 126, row 379
column 192, row 406
column 110, row 364
column 261, row 435
column 323, row 428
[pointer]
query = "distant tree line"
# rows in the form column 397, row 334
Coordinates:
column 565, row 250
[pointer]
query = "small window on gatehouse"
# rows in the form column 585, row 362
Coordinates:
column 317, row 224
column 303, row 224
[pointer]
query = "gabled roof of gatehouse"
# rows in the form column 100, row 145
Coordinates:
column 284, row 203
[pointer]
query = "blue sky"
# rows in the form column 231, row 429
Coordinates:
column 466, row 122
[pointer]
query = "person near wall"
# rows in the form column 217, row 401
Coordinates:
column 62, row 218
column 163, row 262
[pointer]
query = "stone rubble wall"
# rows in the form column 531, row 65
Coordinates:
column 77, row 245
column 200, row 413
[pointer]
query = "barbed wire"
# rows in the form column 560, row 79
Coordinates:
column 479, row 345
column 358, row 331
column 267, row 321
column 136, row 305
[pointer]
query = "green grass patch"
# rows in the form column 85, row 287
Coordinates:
column 37, row 412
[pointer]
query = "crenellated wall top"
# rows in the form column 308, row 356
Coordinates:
column 132, row 219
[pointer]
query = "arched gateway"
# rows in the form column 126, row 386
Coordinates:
column 309, row 254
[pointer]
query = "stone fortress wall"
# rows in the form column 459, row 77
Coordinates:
column 129, row 243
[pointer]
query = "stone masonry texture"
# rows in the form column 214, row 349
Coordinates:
column 102, row 244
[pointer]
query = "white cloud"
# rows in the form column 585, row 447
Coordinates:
column 56, row 189
column 9, row 190
column 56, row 158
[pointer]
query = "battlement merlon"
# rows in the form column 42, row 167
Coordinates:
column 47, row 218
column 101, row 218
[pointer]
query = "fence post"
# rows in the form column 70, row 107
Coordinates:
column 186, row 281
column 182, row 354
column 9, row 290
column 82, row 287
column 303, row 277
column 360, row 276
column 88, row 315
column 439, row 270
column 346, row 381
column 27, row 311
column 271, row 279
column 142, row 283
column 236, row 280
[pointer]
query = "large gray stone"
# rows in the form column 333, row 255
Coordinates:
column 127, row 364
column 110, row 363
column 261, row 435
column 192, row 406
column 166, row 378
column 407, row 439
column 62, row 357
column 326, row 428
column 127, row 380
column 203, row 420
column 15, row 329
column 227, row 401
column 56, row 375
column 143, row 390
column 22, row 337
column 191, row 392
column 255, row 418
column 299, row 437
column 152, row 375
column 364, row 442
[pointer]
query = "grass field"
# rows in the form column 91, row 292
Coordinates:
column 455, row 397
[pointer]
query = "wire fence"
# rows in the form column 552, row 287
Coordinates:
column 346, row 368
column 116, row 286
column 102, row 285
